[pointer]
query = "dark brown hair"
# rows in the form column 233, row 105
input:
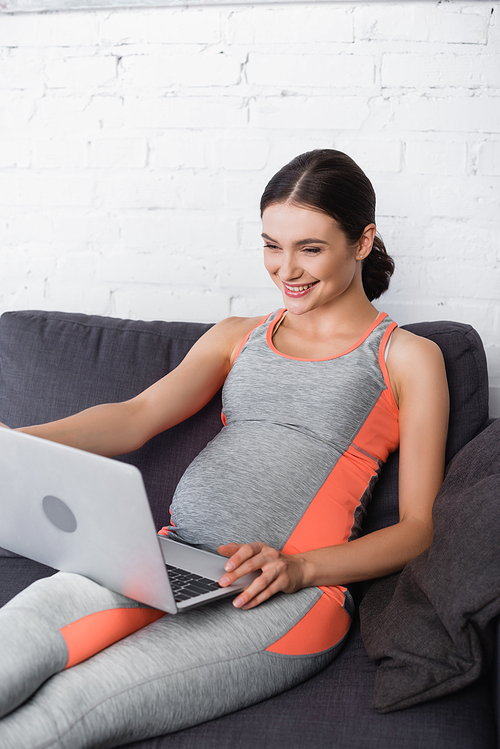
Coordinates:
column 330, row 181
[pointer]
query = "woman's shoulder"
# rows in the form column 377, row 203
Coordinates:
column 414, row 362
column 406, row 345
column 238, row 327
column 233, row 330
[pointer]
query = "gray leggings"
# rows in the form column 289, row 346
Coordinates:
column 176, row 672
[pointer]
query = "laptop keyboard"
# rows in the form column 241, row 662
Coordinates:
column 188, row 585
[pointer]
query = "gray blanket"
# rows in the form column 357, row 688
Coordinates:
column 431, row 628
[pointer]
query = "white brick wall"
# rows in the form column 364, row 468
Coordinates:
column 135, row 144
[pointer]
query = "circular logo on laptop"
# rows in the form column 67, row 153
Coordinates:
column 59, row 514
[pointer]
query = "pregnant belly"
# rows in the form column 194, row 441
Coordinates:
column 253, row 482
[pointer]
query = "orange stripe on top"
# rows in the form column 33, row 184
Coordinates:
column 323, row 627
column 92, row 633
column 381, row 358
column 328, row 519
column 379, row 435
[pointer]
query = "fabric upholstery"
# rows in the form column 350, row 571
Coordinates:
column 436, row 633
column 53, row 364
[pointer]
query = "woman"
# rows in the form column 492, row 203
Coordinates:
column 314, row 401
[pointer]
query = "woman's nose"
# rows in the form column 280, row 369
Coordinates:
column 289, row 269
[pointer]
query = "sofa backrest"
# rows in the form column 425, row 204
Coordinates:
column 467, row 375
column 53, row 364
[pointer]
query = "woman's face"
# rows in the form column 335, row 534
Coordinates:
column 308, row 257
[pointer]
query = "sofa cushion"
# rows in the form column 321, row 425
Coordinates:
column 53, row 364
column 432, row 630
column 467, row 375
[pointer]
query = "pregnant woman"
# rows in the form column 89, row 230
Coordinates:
column 315, row 397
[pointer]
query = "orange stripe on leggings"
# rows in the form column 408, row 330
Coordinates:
column 94, row 632
column 324, row 625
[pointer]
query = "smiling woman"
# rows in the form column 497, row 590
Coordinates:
column 314, row 401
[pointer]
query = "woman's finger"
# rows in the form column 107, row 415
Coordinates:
column 239, row 553
column 244, row 601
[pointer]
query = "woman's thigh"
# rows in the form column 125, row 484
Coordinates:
column 176, row 672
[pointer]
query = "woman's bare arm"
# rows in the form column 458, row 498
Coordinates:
column 114, row 428
column 419, row 379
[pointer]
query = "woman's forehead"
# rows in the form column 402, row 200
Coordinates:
column 297, row 222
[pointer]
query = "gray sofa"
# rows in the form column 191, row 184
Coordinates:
column 54, row 364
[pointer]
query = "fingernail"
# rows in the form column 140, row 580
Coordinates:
column 238, row 602
column 224, row 580
column 229, row 566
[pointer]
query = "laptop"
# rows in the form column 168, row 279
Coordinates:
column 80, row 512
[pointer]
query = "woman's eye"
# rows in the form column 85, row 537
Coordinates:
column 312, row 250
column 271, row 247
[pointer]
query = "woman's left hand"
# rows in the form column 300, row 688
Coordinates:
column 279, row 572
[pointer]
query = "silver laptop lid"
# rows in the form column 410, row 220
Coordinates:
column 80, row 512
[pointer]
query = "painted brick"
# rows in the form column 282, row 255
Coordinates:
column 489, row 158
column 26, row 188
column 319, row 112
column 15, row 152
column 175, row 269
column 436, row 157
column 372, row 155
column 73, row 296
column 249, row 155
column 250, row 235
column 76, row 114
column 152, row 190
column 259, row 302
column 24, row 263
column 176, row 151
column 445, row 114
column 295, row 24
column 198, row 69
column 83, row 229
column 470, row 280
column 468, row 239
column 167, row 173
column 243, row 191
column 409, row 70
column 119, row 153
column 16, row 111
column 163, row 303
column 75, row 29
column 163, row 26
column 403, row 195
column 77, row 73
column 19, row 71
column 186, row 112
column 60, row 153
column 243, row 272
column 79, row 265
column 465, row 198
column 311, row 71
column 195, row 232
column 423, row 22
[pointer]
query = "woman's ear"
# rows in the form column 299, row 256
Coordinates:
column 365, row 243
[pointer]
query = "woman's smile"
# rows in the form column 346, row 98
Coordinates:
column 296, row 290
